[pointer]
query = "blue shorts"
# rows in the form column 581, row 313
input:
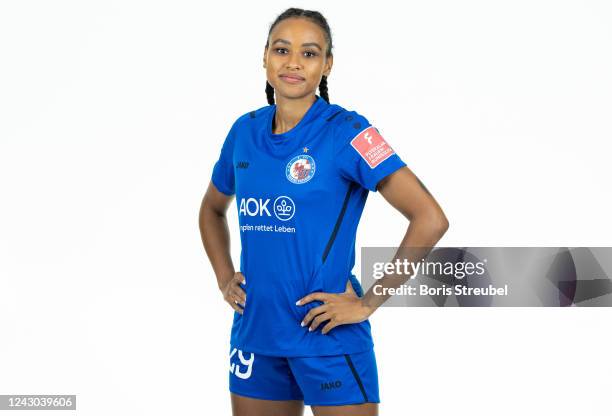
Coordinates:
column 330, row 380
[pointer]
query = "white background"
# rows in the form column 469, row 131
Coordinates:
column 112, row 114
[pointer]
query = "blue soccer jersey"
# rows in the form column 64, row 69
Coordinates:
column 299, row 195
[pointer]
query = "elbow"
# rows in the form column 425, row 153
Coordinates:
column 442, row 225
column 436, row 224
column 439, row 222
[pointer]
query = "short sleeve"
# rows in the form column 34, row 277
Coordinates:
column 361, row 153
column 223, row 171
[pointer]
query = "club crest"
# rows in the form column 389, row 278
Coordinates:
column 300, row 169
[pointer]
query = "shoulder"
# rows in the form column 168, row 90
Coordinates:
column 347, row 124
column 246, row 121
column 252, row 117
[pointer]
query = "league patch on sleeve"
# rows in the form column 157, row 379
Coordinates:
column 372, row 147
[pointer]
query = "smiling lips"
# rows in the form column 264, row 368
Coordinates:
column 292, row 79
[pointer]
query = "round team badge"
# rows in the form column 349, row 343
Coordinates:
column 300, row 169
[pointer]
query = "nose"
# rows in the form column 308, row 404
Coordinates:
column 293, row 60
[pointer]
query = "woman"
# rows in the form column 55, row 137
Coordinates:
column 301, row 169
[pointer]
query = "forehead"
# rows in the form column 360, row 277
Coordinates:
column 298, row 30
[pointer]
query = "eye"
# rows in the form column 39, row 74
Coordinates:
column 280, row 49
column 312, row 53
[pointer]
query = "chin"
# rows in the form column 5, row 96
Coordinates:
column 292, row 93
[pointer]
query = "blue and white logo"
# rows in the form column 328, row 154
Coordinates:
column 284, row 208
column 300, row 169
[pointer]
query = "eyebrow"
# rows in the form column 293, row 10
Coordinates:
column 303, row 44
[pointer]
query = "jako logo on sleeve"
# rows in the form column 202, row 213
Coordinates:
column 372, row 147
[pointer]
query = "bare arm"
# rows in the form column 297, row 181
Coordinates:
column 406, row 193
column 216, row 239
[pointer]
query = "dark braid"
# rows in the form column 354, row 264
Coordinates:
column 270, row 93
column 316, row 18
column 323, row 88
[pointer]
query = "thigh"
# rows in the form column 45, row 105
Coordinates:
column 248, row 406
column 364, row 409
column 346, row 383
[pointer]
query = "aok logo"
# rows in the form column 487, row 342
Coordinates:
column 254, row 207
column 283, row 207
column 235, row 368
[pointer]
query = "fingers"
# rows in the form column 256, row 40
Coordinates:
column 236, row 291
column 330, row 325
column 314, row 312
column 240, row 277
column 235, row 300
column 319, row 319
column 236, row 296
column 320, row 313
column 322, row 296
column 236, row 307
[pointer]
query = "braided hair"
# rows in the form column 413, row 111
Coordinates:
column 316, row 18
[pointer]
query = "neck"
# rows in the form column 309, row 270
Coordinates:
column 289, row 112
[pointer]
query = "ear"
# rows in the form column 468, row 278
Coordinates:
column 264, row 55
column 329, row 62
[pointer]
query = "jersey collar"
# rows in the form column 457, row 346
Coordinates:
column 318, row 106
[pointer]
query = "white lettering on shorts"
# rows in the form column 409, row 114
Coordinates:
column 235, row 368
